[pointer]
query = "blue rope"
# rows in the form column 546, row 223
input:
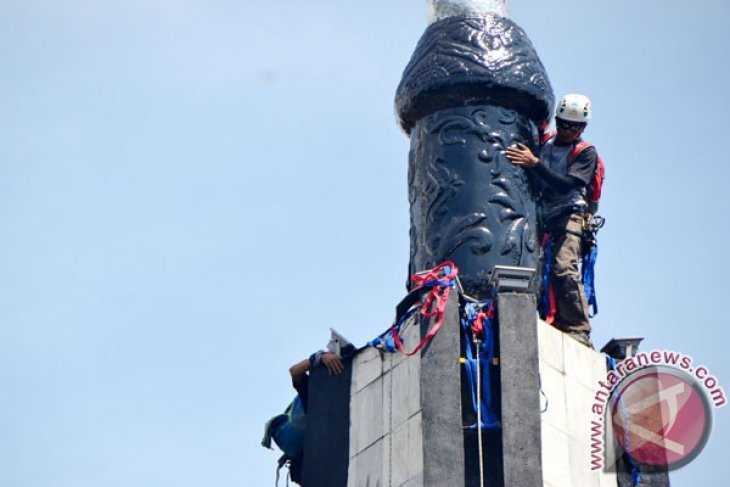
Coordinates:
column 589, row 279
column 469, row 363
column 486, row 356
column 635, row 472
column 443, row 282
column 547, row 269
column 385, row 340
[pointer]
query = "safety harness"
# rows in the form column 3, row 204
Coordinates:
column 588, row 261
column 547, row 308
column 287, row 430
column 595, row 187
column 591, row 224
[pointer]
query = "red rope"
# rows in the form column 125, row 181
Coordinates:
column 552, row 310
column 435, row 303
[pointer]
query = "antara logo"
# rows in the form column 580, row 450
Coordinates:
column 658, row 408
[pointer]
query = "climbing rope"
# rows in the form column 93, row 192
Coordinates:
column 386, row 341
column 390, row 424
column 476, row 325
column 283, row 463
column 476, row 322
column 477, row 342
column 438, row 281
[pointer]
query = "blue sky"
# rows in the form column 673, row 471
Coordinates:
column 193, row 192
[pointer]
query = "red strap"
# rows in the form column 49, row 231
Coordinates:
column 550, row 318
column 547, row 136
column 598, row 174
column 477, row 327
column 435, row 274
column 598, row 178
column 578, row 148
column 552, row 311
column 439, row 295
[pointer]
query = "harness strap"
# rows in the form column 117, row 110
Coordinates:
column 282, row 462
column 578, row 148
column 573, row 232
column 589, row 279
column 403, row 310
column 548, row 308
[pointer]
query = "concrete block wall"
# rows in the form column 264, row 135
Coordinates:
column 386, row 439
column 569, row 374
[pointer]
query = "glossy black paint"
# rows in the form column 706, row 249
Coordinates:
column 473, row 87
column 473, row 60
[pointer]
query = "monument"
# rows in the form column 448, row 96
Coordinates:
column 473, row 87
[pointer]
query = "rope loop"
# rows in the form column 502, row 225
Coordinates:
column 438, row 282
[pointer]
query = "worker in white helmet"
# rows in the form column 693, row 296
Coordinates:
column 562, row 179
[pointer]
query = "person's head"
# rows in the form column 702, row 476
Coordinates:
column 572, row 116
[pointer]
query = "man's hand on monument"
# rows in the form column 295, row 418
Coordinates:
column 333, row 363
column 522, row 156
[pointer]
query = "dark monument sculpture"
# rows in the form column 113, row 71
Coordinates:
column 473, row 87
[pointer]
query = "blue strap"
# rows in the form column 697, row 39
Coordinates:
column 439, row 283
column 635, row 472
column 489, row 418
column 546, row 270
column 470, row 364
column 385, row 340
column 444, row 281
column 589, row 279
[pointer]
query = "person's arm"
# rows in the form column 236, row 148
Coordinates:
column 523, row 156
column 298, row 371
column 331, row 361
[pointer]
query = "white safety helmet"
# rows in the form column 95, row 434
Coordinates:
column 574, row 108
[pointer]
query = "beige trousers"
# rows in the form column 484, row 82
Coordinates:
column 570, row 299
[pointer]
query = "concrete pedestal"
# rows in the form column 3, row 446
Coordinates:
column 520, row 396
column 405, row 423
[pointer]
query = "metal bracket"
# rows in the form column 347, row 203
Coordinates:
column 338, row 343
column 508, row 278
column 621, row 348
